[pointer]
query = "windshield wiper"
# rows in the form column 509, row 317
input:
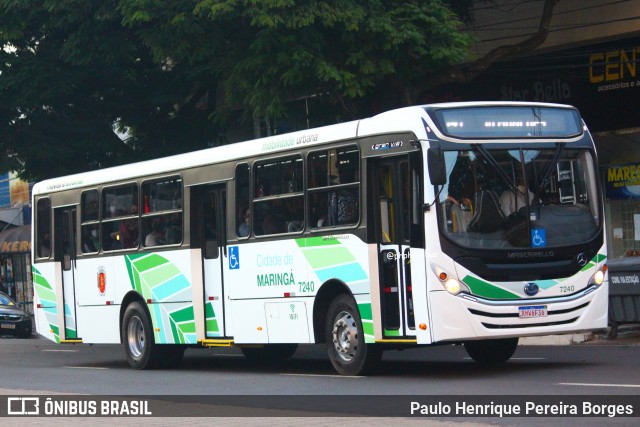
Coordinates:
column 494, row 164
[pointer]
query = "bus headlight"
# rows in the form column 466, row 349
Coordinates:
column 454, row 287
column 598, row 278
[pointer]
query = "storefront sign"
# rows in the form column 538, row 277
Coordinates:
column 624, row 282
column 599, row 79
column 16, row 240
column 623, row 182
column 614, row 69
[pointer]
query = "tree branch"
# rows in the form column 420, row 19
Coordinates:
column 467, row 72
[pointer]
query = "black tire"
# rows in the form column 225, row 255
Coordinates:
column 491, row 352
column 344, row 336
column 137, row 338
column 270, row 352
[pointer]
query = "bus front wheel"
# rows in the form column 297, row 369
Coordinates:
column 137, row 338
column 346, row 347
column 491, row 352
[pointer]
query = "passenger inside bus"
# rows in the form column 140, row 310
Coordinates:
column 128, row 232
column 512, row 201
column 44, row 249
column 270, row 224
column 156, row 236
column 244, row 220
column 345, row 203
column 462, row 183
column 173, row 234
column 90, row 242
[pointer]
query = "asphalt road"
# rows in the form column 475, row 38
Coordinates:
column 37, row 366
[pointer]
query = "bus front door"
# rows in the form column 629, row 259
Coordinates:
column 65, row 257
column 209, row 226
column 396, row 207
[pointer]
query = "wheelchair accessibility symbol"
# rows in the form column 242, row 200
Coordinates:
column 538, row 237
column 234, row 258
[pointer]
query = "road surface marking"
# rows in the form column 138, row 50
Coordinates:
column 83, row 367
column 518, row 358
column 64, row 351
column 602, row 385
column 320, row 375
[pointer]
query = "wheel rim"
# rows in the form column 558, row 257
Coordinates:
column 345, row 336
column 135, row 337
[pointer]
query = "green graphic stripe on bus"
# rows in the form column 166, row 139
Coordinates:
column 47, row 298
column 182, row 324
column 594, row 261
column 317, row 241
column 157, row 278
column 367, row 321
column 330, row 259
column 548, row 283
column 487, row 290
column 321, row 256
column 211, row 321
column 69, row 332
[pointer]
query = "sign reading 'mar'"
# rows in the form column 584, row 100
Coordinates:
column 623, row 181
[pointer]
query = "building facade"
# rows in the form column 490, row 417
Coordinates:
column 591, row 60
column 15, row 240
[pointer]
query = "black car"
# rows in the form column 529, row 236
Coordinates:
column 13, row 320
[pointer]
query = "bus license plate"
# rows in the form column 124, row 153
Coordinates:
column 528, row 311
column 7, row 326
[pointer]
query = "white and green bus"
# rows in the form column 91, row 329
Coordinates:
column 458, row 223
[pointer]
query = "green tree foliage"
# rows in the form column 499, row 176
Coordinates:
column 358, row 52
column 170, row 72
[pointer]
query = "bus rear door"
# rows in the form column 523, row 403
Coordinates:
column 65, row 257
column 208, row 226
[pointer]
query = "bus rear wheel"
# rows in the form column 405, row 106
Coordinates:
column 491, row 352
column 137, row 338
column 348, row 352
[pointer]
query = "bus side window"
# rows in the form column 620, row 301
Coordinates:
column 43, row 224
column 120, row 217
column 278, row 206
column 161, row 219
column 334, row 187
column 243, row 221
column 89, row 217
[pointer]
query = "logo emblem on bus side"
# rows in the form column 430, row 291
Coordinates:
column 531, row 289
column 582, row 259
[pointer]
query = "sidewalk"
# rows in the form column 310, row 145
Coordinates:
column 626, row 335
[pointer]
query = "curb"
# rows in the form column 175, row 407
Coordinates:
column 566, row 339
column 621, row 335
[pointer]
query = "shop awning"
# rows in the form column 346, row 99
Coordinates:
column 15, row 240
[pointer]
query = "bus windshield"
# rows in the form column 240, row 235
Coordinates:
column 519, row 198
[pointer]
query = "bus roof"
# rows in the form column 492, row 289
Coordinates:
column 402, row 119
